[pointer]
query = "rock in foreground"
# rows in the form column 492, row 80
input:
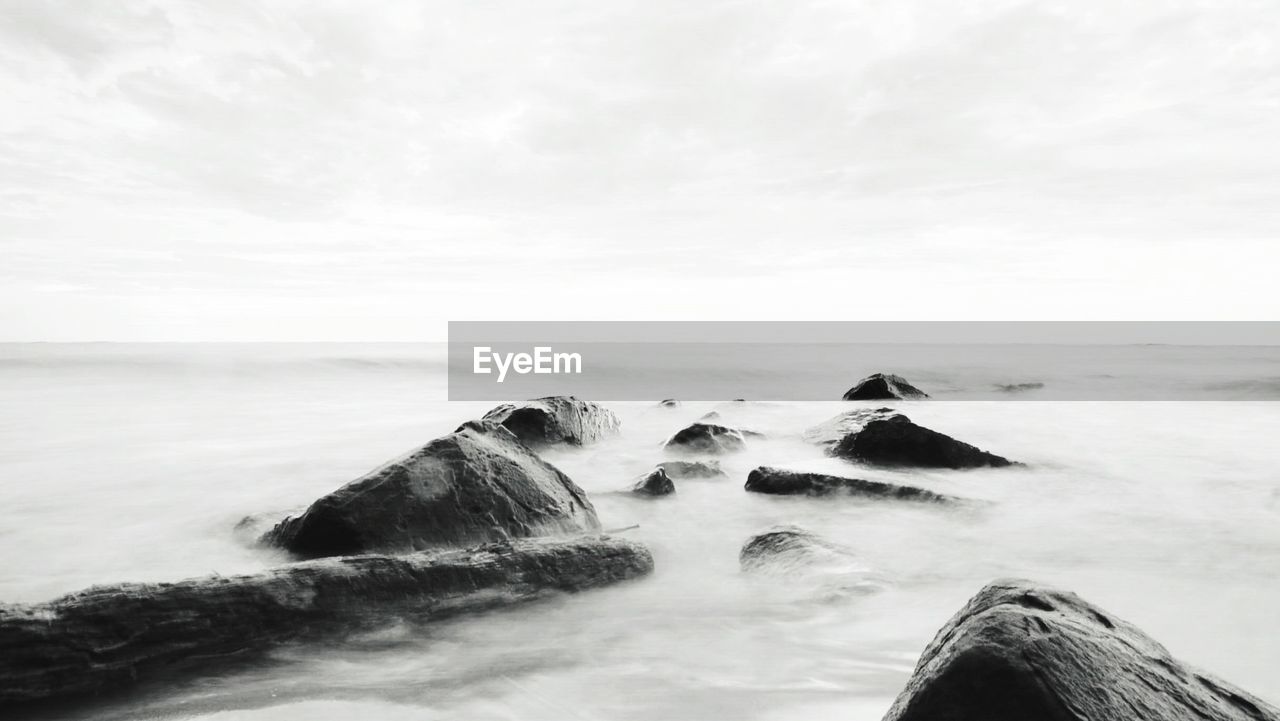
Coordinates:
column 1018, row 651
column 779, row 481
column 110, row 636
column 883, row 386
column 654, row 483
column 556, row 419
column 476, row 485
column 706, row 438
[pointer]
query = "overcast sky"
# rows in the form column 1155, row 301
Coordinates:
column 367, row 171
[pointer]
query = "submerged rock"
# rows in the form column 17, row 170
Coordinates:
column 556, row 419
column 883, row 386
column 791, row 548
column 882, row 436
column 654, row 483
column 669, row 403
column 693, row 469
column 706, row 438
column 1019, row 651
column 112, row 636
column 476, row 485
column 779, row 481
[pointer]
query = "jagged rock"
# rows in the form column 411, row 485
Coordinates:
column 669, row 403
column 654, row 483
column 1019, row 651
column 706, row 438
column 883, row 386
column 476, row 485
column 113, row 636
column 556, row 419
column 779, row 481
column 693, row 469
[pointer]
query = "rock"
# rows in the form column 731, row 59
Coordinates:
column 476, row 485
column 113, row 636
column 1019, row 387
column 669, row 403
column 779, row 481
column 706, row 438
column 693, row 469
column 556, row 419
column 654, row 483
column 790, row 548
column 897, row 441
column 883, row 386
column 1019, row 651
column 710, row 416
column 829, row 432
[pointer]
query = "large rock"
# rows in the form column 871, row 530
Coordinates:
column 475, row 485
column 782, row 482
column 684, row 470
column 883, row 386
column 885, row 437
column 654, row 483
column 1019, row 651
column 111, row 636
column 706, row 438
column 556, row 419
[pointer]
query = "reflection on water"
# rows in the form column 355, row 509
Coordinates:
column 1163, row 513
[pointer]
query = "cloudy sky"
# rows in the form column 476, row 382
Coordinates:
column 298, row 170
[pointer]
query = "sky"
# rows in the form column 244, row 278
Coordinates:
column 312, row 170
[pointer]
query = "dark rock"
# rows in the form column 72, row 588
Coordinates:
column 693, row 469
column 556, row 419
column 654, row 483
column 669, row 403
column 829, row 432
column 706, row 438
column 883, row 386
column 896, row 441
column 779, row 481
column 1018, row 651
column 113, row 636
column 476, row 485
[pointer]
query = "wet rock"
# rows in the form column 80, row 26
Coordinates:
column 789, row 548
column 706, row 438
column 556, row 419
column 883, row 386
column 1019, row 651
column 899, row 442
column 779, row 481
column 693, row 469
column 113, row 636
column 669, row 403
column 476, row 485
column 654, row 483
column 829, row 432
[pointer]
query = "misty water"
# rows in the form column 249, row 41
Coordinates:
column 126, row 463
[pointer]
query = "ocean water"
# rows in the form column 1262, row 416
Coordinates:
column 133, row 463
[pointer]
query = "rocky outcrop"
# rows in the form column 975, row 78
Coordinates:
column 706, row 438
column 112, row 636
column 1019, row 651
column 885, row 437
column 683, row 470
column 654, row 483
column 883, row 386
column 476, row 485
column 779, row 481
column 556, row 419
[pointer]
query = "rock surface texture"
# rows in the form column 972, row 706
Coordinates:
column 555, row 420
column 1019, row 651
column 476, row 485
column 111, row 636
column 782, row 482
column 885, row 437
column 706, row 438
column 682, row 470
column 654, row 483
column 883, row 386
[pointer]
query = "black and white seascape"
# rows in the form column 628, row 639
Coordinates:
column 285, row 433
